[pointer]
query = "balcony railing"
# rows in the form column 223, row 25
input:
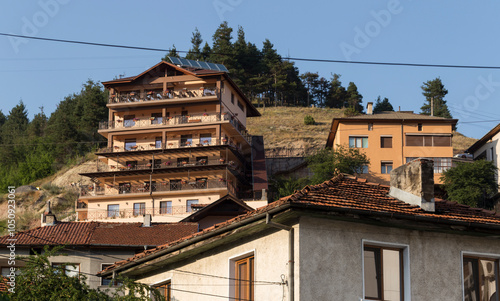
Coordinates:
column 130, row 213
column 125, row 188
column 157, row 95
column 172, row 144
column 168, row 164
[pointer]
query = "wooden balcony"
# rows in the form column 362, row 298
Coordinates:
column 151, row 97
column 131, row 213
column 175, row 121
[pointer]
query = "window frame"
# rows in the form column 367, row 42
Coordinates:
column 386, row 164
column 355, row 145
column 405, row 265
column 165, row 282
column 382, row 144
column 115, row 282
column 232, row 272
column 480, row 256
column 166, row 209
column 191, row 202
column 113, row 212
column 141, row 210
column 63, row 265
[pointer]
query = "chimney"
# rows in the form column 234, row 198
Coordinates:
column 369, row 108
column 413, row 183
column 49, row 218
column 147, row 220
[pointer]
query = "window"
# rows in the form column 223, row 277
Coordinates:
column 156, row 118
column 6, row 271
column 186, row 140
column 385, row 142
column 428, row 140
column 71, row 270
column 419, row 127
column 370, row 126
column 165, row 290
column 156, row 164
column 189, row 203
column 107, row 281
column 206, row 139
column 241, row 106
column 480, row 278
column 244, row 278
column 440, row 164
column 113, row 210
column 166, row 207
column 358, row 142
column 232, row 98
column 158, row 141
column 386, row 167
column 139, row 209
column 130, row 144
column 128, row 120
column 363, row 169
column 383, row 273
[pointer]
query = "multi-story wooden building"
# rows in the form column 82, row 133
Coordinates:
column 176, row 137
column 390, row 139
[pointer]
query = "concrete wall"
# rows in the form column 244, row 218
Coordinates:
column 331, row 259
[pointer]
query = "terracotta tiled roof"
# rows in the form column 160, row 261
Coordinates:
column 101, row 233
column 348, row 193
column 3, row 284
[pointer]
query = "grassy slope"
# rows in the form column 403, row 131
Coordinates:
column 284, row 127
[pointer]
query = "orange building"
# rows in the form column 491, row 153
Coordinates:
column 390, row 139
column 176, row 137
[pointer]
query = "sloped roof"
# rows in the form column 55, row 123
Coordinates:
column 478, row 144
column 345, row 193
column 235, row 207
column 102, row 234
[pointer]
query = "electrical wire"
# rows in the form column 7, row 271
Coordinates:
column 229, row 54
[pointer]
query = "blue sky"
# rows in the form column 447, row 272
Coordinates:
column 430, row 32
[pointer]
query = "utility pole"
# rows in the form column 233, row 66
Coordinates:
column 432, row 106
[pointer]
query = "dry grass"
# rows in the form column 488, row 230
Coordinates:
column 461, row 143
column 284, row 127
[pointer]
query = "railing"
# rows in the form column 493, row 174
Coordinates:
column 171, row 145
column 168, row 164
column 157, row 95
column 130, row 213
column 183, row 185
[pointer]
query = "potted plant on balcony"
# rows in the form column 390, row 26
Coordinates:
column 168, row 163
column 152, row 118
column 136, row 119
column 183, row 182
column 205, row 114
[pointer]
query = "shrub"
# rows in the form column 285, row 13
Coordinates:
column 309, row 120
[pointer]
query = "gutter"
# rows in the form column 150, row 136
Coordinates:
column 291, row 259
column 195, row 240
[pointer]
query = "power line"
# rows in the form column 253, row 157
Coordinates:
column 286, row 58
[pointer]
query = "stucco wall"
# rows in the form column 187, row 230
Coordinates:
column 331, row 259
column 271, row 258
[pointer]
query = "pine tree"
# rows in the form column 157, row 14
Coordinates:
column 195, row 52
column 172, row 52
column 311, row 82
column 205, row 52
column 382, row 105
column 354, row 98
column 337, row 94
column 434, row 90
column 222, row 48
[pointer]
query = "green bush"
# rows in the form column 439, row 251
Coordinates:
column 309, row 120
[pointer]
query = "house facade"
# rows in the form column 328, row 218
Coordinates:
column 488, row 148
column 345, row 239
column 390, row 139
column 176, row 137
column 90, row 247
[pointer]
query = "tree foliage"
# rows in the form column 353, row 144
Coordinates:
column 472, row 184
column 434, row 90
column 41, row 281
column 327, row 163
column 382, row 105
